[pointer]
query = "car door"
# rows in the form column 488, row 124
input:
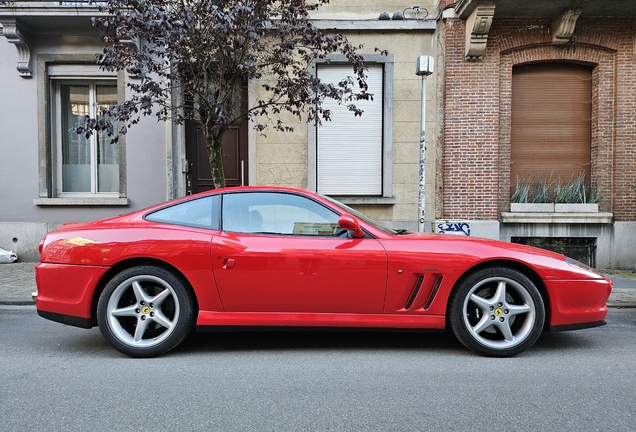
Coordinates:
column 284, row 252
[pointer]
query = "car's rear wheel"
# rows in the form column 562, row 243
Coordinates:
column 497, row 312
column 145, row 311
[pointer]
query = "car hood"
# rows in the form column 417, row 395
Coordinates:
column 461, row 239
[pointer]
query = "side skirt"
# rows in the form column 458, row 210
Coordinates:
column 327, row 320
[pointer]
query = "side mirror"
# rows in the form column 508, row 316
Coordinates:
column 349, row 223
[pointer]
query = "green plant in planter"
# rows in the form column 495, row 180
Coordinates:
column 594, row 197
column 573, row 192
column 522, row 191
column 576, row 191
column 541, row 192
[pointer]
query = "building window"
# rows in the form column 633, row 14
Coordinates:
column 350, row 156
column 582, row 249
column 551, row 123
column 75, row 170
column 87, row 165
column 349, row 149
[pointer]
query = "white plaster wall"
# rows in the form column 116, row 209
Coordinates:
column 18, row 138
column 146, row 143
column 368, row 9
column 624, row 245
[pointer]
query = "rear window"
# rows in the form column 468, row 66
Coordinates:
column 200, row 213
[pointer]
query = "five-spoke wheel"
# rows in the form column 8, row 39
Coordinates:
column 145, row 311
column 497, row 312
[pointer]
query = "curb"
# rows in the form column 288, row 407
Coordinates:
column 16, row 303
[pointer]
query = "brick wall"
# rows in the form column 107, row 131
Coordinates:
column 476, row 135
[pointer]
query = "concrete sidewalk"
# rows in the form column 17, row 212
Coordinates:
column 17, row 282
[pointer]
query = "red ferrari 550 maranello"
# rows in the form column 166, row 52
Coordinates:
column 265, row 256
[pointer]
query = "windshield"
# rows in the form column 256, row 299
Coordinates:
column 365, row 218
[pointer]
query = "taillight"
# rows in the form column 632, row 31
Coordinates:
column 41, row 246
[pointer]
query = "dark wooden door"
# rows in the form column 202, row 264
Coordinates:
column 235, row 158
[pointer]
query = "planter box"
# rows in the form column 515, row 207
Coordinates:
column 576, row 208
column 532, row 208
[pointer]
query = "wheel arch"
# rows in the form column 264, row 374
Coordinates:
column 526, row 270
column 133, row 262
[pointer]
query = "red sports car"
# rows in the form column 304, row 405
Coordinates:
column 265, row 256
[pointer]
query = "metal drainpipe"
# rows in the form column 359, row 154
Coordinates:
column 423, row 68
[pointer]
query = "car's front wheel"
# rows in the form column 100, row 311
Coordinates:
column 145, row 311
column 497, row 312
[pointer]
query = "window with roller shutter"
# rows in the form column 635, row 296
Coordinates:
column 349, row 148
column 551, row 122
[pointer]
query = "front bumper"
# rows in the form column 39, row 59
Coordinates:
column 578, row 303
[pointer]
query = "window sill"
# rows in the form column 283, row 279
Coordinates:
column 86, row 202
column 557, row 218
column 365, row 200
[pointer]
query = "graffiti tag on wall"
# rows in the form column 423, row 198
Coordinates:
column 453, row 228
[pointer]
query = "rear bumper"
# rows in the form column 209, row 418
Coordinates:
column 65, row 293
column 578, row 303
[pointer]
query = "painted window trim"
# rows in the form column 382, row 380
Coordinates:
column 97, row 201
column 387, row 131
column 47, row 182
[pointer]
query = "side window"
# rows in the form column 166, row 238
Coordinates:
column 278, row 213
column 202, row 213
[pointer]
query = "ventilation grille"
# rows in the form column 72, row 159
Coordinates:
column 416, row 290
column 434, row 292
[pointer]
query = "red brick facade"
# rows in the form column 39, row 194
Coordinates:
column 474, row 178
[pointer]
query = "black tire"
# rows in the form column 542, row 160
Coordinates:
column 145, row 311
column 497, row 312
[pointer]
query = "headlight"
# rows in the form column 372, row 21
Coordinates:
column 579, row 265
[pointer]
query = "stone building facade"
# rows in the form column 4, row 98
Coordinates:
column 48, row 52
column 485, row 46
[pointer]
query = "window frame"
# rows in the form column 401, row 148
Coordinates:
column 57, row 135
column 387, row 133
column 326, row 207
column 80, row 68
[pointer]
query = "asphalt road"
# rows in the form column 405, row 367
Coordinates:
column 59, row 378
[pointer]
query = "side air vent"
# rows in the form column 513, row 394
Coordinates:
column 434, row 292
column 416, row 290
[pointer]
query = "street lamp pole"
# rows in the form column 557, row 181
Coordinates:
column 423, row 68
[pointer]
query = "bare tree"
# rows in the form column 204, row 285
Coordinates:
column 207, row 50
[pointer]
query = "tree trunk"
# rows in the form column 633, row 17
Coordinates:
column 214, row 146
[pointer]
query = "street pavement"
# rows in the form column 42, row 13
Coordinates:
column 17, row 282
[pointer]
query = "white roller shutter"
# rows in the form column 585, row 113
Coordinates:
column 78, row 71
column 349, row 148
